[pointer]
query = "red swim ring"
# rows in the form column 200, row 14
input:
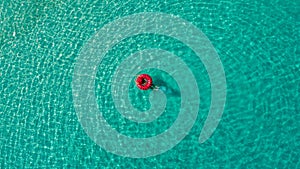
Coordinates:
column 144, row 81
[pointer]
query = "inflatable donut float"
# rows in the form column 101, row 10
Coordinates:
column 143, row 81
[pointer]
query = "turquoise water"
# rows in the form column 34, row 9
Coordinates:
column 257, row 42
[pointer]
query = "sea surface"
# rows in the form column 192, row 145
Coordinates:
column 258, row 45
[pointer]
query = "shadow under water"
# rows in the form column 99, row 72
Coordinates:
column 167, row 88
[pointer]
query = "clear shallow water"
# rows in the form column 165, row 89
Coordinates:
column 258, row 44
